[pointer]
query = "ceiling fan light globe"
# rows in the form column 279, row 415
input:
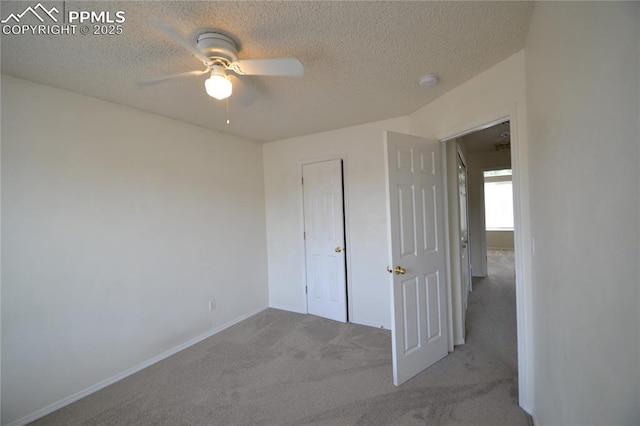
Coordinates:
column 218, row 87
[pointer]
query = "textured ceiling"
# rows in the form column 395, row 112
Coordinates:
column 362, row 59
column 487, row 139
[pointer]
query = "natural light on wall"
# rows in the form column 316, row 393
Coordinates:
column 498, row 200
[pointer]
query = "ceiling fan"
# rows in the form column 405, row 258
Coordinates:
column 219, row 53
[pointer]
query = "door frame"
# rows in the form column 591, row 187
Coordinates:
column 521, row 229
column 347, row 237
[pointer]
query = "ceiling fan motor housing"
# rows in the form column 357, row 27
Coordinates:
column 218, row 47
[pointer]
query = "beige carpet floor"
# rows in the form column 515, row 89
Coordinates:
column 281, row 368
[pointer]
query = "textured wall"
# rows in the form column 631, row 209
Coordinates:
column 582, row 68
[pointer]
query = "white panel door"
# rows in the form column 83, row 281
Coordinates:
column 324, row 240
column 465, row 252
column 416, row 225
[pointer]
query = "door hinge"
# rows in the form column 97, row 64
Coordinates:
column 304, row 235
column 302, row 180
column 306, row 290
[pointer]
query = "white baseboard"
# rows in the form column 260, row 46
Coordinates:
column 352, row 321
column 111, row 380
column 370, row 324
column 528, row 409
column 288, row 309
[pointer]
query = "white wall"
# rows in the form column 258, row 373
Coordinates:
column 500, row 240
column 118, row 226
column 582, row 67
column 366, row 217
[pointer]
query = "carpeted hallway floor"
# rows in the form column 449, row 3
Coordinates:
column 281, row 368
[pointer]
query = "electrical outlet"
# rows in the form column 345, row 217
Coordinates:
column 212, row 305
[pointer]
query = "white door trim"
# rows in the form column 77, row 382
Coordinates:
column 522, row 242
column 462, row 157
column 347, row 236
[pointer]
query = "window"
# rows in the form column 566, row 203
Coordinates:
column 498, row 200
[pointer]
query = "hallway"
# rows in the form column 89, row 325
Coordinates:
column 491, row 315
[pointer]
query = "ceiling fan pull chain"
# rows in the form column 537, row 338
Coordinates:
column 228, row 121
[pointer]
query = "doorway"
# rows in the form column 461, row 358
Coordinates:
column 488, row 148
column 498, row 208
column 499, row 225
column 488, row 152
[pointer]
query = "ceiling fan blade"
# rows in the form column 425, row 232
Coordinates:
column 171, row 32
column 243, row 93
column 168, row 77
column 288, row 67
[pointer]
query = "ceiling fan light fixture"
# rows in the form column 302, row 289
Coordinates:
column 218, row 85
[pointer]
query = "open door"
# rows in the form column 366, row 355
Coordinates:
column 416, row 232
column 465, row 249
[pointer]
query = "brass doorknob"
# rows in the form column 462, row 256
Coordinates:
column 338, row 249
column 399, row 270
